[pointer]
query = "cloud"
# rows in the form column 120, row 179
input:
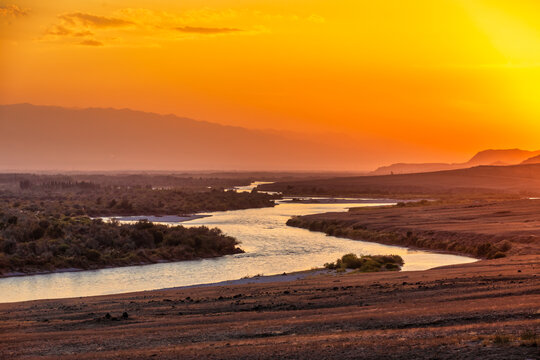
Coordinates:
column 12, row 11
column 206, row 30
column 91, row 43
column 83, row 33
column 90, row 20
column 60, row 30
column 81, row 25
column 316, row 19
column 144, row 27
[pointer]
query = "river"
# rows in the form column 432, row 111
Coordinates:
column 271, row 248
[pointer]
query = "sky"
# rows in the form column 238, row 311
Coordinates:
column 439, row 80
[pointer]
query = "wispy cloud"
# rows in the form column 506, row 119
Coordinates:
column 90, row 20
column 90, row 42
column 206, row 30
column 128, row 26
column 59, row 30
column 12, row 11
column 84, row 25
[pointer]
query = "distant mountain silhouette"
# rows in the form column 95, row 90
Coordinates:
column 486, row 157
column 533, row 160
column 475, row 180
column 406, row 168
column 501, row 157
column 55, row 138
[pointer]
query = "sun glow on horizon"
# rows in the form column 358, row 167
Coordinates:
column 451, row 76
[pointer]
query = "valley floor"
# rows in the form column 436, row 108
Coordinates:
column 489, row 309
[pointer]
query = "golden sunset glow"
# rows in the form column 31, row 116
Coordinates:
column 451, row 76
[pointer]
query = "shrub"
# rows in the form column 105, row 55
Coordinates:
column 483, row 249
column 498, row 255
column 87, row 243
column 528, row 335
column 367, row 263
column 92, row 255
column 8, row 246
column 501, row 339
column 505, row 246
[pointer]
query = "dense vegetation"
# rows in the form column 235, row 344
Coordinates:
column 367, row 263
column 185, row 181
column 63, row 195
column 31, row 242
column 46, row 220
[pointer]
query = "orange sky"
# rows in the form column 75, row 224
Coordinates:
column 442, row 78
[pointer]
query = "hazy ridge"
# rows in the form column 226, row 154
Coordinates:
column 486, row 157
column 47, row 137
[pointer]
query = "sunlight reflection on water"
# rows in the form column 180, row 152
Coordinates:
column 271, row 248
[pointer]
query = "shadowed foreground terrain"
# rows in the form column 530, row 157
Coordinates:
column 488, row 309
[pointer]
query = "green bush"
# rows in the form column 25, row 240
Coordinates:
column 88, row 243
column 367, row 263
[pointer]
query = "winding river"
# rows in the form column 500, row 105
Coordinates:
column 271, row 248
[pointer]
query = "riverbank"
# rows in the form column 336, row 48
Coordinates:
column 484, row 309
column 158, row 218
column 39, row 245
column 271, row 247
column 263, row 279
column 484, row 229
column 48, row 223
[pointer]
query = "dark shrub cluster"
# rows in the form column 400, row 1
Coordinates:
column 131, row 201
column 102, row 195
column 46, row 220
column 30, row 242
column 367, row 263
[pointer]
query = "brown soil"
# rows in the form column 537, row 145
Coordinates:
column 483, row 229
column 479, row 310
column 474, row 181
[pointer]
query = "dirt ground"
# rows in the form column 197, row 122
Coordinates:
column 489, row 309
column 513, row 226
column 517, row 179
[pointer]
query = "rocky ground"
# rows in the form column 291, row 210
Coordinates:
column 489, row 309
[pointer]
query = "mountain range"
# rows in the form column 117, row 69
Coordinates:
column 533, row 160
column 50, row 138
column 487, row 157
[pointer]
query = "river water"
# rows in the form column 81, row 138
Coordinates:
column 271, row 248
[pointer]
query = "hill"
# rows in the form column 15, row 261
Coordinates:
column 486, row 157
column 533, row 160
column 55, row 138
column 481, row 179
column 406, row 168
column 501, row 157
